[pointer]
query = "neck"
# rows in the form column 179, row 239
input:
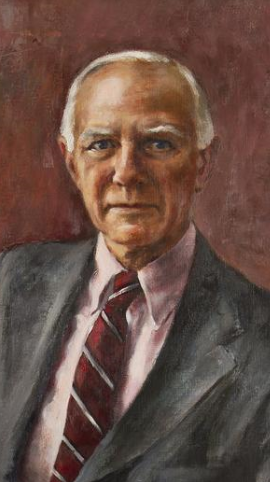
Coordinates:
column 137, row 257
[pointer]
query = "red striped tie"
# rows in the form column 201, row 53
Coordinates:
column 92, row 400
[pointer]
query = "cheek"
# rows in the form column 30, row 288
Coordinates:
column 179, row 186
column 93, row 185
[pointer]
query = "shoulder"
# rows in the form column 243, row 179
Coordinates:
column 42, row 258
column 45, row 250
column 252, row 301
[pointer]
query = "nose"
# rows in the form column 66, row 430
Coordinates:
column 128, row 168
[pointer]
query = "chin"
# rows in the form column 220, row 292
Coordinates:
column 132, row 235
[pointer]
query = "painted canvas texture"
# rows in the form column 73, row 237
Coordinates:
column 134, row 261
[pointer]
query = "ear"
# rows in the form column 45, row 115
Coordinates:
column 205, row 163
column 69, row 159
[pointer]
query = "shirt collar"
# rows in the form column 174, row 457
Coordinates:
column 107, row 267
column 163, row 281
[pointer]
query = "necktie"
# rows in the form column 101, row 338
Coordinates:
column 92, row 399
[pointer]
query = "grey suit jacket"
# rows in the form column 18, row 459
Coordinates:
column 203, row 413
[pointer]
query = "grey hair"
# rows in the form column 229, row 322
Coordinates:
column 203, row 120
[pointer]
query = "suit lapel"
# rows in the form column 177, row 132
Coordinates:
column 191, row 365
column 41, row 341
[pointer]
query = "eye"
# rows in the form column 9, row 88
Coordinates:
column 158, row 145
column 101, row 145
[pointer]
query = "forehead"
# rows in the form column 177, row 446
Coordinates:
column 124, row 91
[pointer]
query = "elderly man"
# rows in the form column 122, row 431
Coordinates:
column 139, row 356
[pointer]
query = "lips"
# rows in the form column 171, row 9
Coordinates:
column 135, row 205
column 130, row 206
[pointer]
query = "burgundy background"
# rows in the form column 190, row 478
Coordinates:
column 226, row 43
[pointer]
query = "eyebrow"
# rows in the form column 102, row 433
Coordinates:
column 164, row 128
column 92, row 132
column 105, row 131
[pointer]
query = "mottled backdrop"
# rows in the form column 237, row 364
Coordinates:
column 227, row 43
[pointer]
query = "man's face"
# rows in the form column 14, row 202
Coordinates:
column 135, row 153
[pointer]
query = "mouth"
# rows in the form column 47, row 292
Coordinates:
column 130, row 206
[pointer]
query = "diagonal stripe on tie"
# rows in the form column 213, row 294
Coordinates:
column 91, row 404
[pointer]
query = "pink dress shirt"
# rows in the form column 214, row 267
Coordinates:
column 149, row 318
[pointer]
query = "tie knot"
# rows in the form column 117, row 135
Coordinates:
column 126, row 288
column 126, row 280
